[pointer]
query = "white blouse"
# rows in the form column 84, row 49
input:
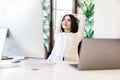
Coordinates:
column 66, row 44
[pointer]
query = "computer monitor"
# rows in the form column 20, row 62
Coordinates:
column 23, row 18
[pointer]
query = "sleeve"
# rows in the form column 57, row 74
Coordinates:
column 81, row 27
column 57, row 31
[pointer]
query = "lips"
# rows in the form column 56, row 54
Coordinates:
column 64, row 25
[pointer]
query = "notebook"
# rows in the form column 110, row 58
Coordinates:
column 99, row 54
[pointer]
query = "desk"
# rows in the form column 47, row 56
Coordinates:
column 59, row 71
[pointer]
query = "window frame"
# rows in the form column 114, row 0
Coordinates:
column 74, row 10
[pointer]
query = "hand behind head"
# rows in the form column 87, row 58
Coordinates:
column 75, row 15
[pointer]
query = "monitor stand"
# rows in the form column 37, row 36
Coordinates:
column 3, row 35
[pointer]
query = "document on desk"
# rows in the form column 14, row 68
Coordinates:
column 37, row 62
column 8, row 64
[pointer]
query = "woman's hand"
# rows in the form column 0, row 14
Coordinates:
column 79, row 16
column 75, row 15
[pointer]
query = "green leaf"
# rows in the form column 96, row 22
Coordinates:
column 87, row 8
column 46, row 19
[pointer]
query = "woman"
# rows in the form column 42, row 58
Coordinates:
column 67, row 38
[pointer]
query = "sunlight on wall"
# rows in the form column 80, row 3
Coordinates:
column 107, row 19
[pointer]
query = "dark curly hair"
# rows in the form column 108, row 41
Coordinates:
column 74, row 24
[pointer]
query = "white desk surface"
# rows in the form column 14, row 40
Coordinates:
column 59, row 71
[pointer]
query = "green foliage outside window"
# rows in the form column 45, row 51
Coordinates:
column 87, row 8
column 46, row 21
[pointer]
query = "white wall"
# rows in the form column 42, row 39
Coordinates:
column 22, row 16
column 107, row 19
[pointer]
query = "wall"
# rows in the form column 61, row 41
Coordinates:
column 22, row 16
column 107, row 19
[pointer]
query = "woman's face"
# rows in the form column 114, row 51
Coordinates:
column 66, row 23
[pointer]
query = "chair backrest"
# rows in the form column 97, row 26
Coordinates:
column 79, row 48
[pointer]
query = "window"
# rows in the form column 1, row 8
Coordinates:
column 53, row 11
column 60, row 8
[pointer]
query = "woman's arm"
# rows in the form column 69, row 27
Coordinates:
column 81, row 25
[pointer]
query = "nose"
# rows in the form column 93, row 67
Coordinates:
column 65, row 21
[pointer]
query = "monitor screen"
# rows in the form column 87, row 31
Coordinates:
column 24, row 21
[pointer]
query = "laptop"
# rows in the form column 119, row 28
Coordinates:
column 99, row 54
